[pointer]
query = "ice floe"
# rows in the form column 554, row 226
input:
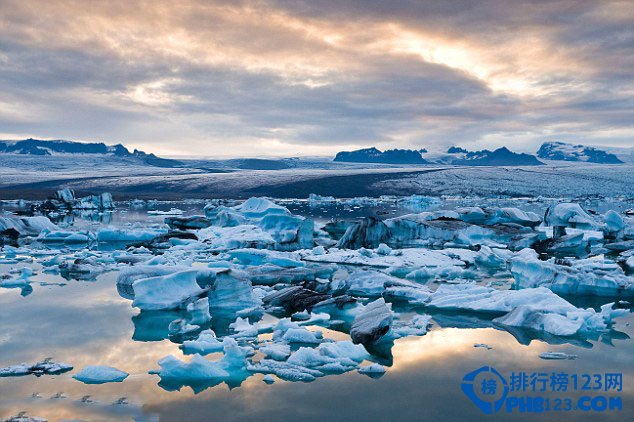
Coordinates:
column 95, row 374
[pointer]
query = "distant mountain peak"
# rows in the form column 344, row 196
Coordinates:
column 561, row 151
column 374, row 155
column 32, row 146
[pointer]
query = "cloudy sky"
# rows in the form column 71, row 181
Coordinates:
column 291, row 77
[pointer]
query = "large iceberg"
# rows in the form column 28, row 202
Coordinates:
column 166, row 292
column 594, row 276
column 535, row 308
column 269, row 226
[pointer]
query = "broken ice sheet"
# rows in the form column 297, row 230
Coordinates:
column 253, row 284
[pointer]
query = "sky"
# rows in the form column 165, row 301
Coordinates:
column 307, row 78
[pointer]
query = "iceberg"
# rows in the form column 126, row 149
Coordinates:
column 116, row 234
column 372, row 323
column 404, row 258
column 166, row 292
column 45, row 367
column 593, row 277
column 233, row 294
column 200, row 373
column 27, row 226
column 565, row 215
column 535, row 308
column 374, row 370
column 66, row 237
column 206, row 343
column 307, row 364
column 192, row 222
column 94, row 374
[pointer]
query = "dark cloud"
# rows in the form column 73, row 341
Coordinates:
column 242, row 76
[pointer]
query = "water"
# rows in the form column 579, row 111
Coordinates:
column 88, row 323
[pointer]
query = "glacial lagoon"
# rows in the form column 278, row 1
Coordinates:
column 84, row 318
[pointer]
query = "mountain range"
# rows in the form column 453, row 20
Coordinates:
column 40, row 147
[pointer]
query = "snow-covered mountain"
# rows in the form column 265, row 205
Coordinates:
column 500, row 157
column 560, row 151
column 374, row 155
column 58, row 147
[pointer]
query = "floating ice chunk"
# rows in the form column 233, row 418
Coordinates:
column 243, row 236
column 556, row 356
column 260, row 207
column 129, row 275
column 372, row 283
column 383, row 249
column 316, row 200
column 472, row 297
column 261, row 257
column 434, row 229
column 614, row 225
column 528, row 317
column 306, row 363
column 409, row 258
column 535, row 308
column 581, row 277
column 569, row 244
column 166, row 292
column 418, row 202
column 94, row 374
column 172, row 211
column 368, row 233
column 565, row 215
column 295, row 298
column 180, row 326
column 23, row 279
column 269, row 379
column 100, row 202
column 414, row 294
column 319, row 250
column 493, row 257
column 192, row 222
column 276, row 227
column 45, row 367
column 66, row 237
column 231, row 293
column 224, row 216
column 200, row 371
column 243, row 328
column 269, row 275
column 302, row 335
column 23, row 417
column 276, row 351
column 289, row 232
column 117, row 234
column 372, row 370
column 206, row 343
column 198, row 312
column 417, row 326
column 372, row 323
column 446, row 273
column 27, row 226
